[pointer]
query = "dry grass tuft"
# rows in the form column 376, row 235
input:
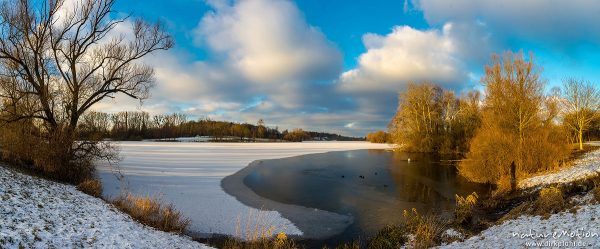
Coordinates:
column 258, row 234
column 355, row 244
column 389, row 237
column 427, row 229
column 464, row 207
column 152, row 212
column 281, row 241
column 549, row 201
column 91, row 187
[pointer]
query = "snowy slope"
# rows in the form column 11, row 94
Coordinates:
column 586, row 166
column 37, row 213
column 189, row 176
column 579, row 230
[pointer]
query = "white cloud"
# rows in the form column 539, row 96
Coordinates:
column 269, row 41
column 556, row 21
column 264, row 61
column 350, row 125
column 406, row 55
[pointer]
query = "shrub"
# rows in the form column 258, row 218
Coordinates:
column 91, row 187
column 427, row 229
column 389, row 237
column 516, row 124
column 464, row 207
column 378, row 137
column 550, row 200
column 493, row 150
column 151, row 212
column 57, row 154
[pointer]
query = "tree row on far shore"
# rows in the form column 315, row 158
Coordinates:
column 515, row 121
column 138, row 125
column 379, row 137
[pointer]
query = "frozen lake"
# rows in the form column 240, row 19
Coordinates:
column 371, row 186
column 189, row 176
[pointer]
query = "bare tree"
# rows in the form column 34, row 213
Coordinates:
column 514, row 91
column 582, row 100
column 65, row 59
column 58, row 60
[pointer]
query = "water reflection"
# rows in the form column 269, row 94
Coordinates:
column 373, row 186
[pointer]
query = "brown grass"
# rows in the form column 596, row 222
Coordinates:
column 389, row 237
column 596, row 192
column 549, row 201
column 427, row 229
column 91, row 187
column 281, row 241
column 258, row 234
column 355, row 244
column 463, row 212
column 152, row 212
column 596, row 189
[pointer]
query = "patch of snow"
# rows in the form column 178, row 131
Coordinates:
column 189, row 176
column 452, row 234
column 583, row 199
column 38, row 213
column 579, row 230
column 584, row 167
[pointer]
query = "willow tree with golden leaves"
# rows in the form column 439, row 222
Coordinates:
column 57, row 60
column 515, row 126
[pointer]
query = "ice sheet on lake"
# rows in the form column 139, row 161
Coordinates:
column 189, row 176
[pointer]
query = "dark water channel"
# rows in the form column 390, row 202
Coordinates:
column 371, row 186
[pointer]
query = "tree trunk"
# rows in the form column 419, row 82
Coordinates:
column 580, row 139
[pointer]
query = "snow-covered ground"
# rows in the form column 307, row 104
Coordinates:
column 36, row 213
column 189, row 176
column 584, row 167
column 565, row 229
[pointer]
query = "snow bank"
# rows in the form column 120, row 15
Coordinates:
column 189, row 176
column 584, row 167
column 579, row 230
column 37, row 213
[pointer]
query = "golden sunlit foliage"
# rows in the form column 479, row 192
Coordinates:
column 516, row 124
column 431, row 119
column 378, row 137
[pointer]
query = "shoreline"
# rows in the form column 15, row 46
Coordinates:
column 312, row 219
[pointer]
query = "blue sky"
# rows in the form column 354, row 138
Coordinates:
column 337, row 65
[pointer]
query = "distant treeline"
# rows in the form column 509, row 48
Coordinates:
column 138, row 125
column 379, row 137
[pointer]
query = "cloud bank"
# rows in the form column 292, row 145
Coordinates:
column 264, row 60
